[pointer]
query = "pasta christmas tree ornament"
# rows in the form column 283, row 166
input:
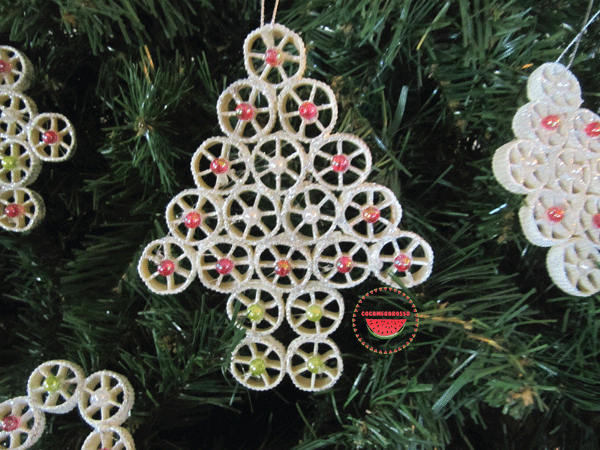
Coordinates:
column 26, row 139
column 281, row 217
column 105, row 400
column 555, row 163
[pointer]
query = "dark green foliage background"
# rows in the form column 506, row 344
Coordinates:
column 502, row 360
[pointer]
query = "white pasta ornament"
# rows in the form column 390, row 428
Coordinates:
column 55, row 386
column 26, row 139
column 256, row 307
column 105, row 400
column 109, row 437
column 314, row 363
column 283, row 216
column 315, row 309
column 15, row 69
column 555, row 162
column 22, row 209
column 167, row 265
column 258, row 362
column 21, row 423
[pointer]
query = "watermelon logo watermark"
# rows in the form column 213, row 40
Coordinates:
column 385, row 320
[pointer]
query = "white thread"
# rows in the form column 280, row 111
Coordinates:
column 262, row 12
column 577, row 38
column 275, row 12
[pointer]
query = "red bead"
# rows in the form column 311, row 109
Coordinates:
column 344, row 264
column 166, row 267
column 219, row 166
column 273, row 57
column 5, row 66
column 555, row 214
column 551, row 122
column 371, row 214
column 224, row 266
column 192, row 219
column 282, row 268
column 10, row 423
column 596, row 220
column 402, row 262
column 50, row 137
column 593, row 129
column 13, row 210
column 308, row 111
column 340, row 163
column 245, row 111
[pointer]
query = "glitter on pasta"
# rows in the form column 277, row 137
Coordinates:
column 26, row 140
column 281, row 217
column 555, row 163
column 105, row 400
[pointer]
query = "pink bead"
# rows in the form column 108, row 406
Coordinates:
column 5, row 66
column 282, row 268
column 224, row 266
column 555, row 214
column 245, row 111
column 13, row 210
column 273, row 57
column 371, row 214
column 596, row 220
column 593, row 129
column 166, row 267
column 402, row 262
column 344, row 264
column 50, row 137
column 308, row 111
column 219, row 166
column 10, row 423
column 192, row 219
column 551, row 122
column 340, row 163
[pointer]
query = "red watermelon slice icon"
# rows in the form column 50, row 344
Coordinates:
column 385, row 328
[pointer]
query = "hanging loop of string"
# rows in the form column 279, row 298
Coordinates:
column 262, row 12
column 577, row 39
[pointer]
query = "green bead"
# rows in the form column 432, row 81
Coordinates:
column 255, row 313
column 315, row 364
column 9, row 162
column 314, row 313
column 257, row 367
column 52, row 384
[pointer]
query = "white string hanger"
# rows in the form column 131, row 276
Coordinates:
column 577, row 39
column 262, row 12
